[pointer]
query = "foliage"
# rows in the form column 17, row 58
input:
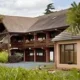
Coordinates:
column 73, row 18
column 49, row 8
column 1, row 17
column 3, row 56
column 15, row 58
column 7, row 73
column 20, row 55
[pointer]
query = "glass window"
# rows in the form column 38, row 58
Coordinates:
column 40, row 54
column 31, row 54
column 69, row 47
column 68, row 54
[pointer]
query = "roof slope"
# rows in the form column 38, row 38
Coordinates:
column 18, row 24
column 26, row 24
column 63, row 36
column 50, row 21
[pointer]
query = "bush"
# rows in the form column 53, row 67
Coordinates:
column 19, row 55
column 3, row 56
column 15, row 58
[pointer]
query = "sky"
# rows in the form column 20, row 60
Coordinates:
column 31, row 8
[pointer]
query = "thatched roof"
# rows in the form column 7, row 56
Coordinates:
column 26, row 24
column 18, row 24
column 65, row 35
column 50, row 21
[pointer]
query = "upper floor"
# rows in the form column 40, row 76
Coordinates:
column 35, row 39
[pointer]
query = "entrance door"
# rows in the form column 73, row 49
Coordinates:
column 29, row 55
column 41, row 55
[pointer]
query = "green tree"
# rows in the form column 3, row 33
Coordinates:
column 49, row 8
column 73, row 18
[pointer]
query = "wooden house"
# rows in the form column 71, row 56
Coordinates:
column 32, row 37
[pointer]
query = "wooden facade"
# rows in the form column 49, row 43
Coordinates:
column 35, row 46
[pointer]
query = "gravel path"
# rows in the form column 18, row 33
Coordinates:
column 27, row 65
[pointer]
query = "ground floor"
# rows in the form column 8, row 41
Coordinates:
column 67, row 54
column 35, row 54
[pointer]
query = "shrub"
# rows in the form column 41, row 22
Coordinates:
column 3, row 56
column 19, row 55
column 15, row 58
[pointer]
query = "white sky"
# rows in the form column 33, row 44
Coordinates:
column 30, row 7
column 23, row 7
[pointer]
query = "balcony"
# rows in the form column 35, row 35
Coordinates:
column 29, row 43
column 17, row 44
column 17, row 41
column 32, row 43
column 40, row 43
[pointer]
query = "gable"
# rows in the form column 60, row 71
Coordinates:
column 2, row 28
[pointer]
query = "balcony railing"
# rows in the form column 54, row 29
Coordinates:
column 37, row 43
column 40, row 43
column 29, row 44
column 17, row 44
column 49, row 42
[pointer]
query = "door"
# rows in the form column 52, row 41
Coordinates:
column 40, row 55
column 29, row 55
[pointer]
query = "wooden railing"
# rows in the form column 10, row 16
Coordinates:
column 24, row 44
column 29, row 44
column 17, row 44
column 40, row 43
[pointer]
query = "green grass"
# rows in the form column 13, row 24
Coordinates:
column 7, row 73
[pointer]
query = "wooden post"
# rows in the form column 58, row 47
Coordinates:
column 34, row 55
column 55, row 55
column 47, row 55
column 9, row 45
column 24, row 56
column 47, row 35
column 24, row 42
column 47, row 38
column 35, row 36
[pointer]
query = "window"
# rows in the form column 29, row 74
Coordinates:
column 68, row 54
column 31, row 53
column 39, row 54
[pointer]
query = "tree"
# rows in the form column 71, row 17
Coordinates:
column 49, row 8
column 1, row 18
column 73, row 18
